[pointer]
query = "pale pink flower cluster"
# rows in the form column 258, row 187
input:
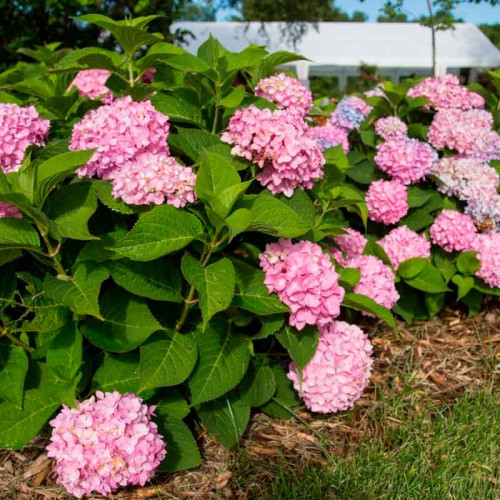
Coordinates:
column 286, row 92
column 446, row 92
column 20, row 127
column 377, row 91
column 351, row 245
column 488, row 247
column 453, row 230
column 350, row 113
column 466, row 178
column 377, row 280
column 278, row 142
column 405, row 159
column 485, row 212
column 468, row 132
column 154, row 179
column 91, row 83
column 121, row 132
column 402, row 244
column 107, row 441
column 329, row 136
column 304, row 279
column 9, row 210
column 387, row 201
column 391, row 127
column 338, row 373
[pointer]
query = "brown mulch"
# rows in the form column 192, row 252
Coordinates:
column 435, row 361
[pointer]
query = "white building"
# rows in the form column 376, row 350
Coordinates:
column 338, row 49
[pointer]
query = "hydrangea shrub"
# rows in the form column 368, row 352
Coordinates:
column 174, row 253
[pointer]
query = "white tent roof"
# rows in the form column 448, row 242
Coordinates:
column 403, row 45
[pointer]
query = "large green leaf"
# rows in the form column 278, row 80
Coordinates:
column 79, row 292
column 258, row 386
column 251, row 293
column 167, row 358
column 178, row 109
column 157, row 280
column 227, row 417
column 182, row 450
column 364, row 303
column 282, row 216
column 64, row 356
column 429, row 280
column 285, row 395
column 214, row 283
column 13, row 369
column 192, row 142
column 71, row 208
column 118, row 373
column 103, row 190
column 17, row 233
column 127, row 322
column 171, row 402
column 223, row 360
column 300, row 345
column 163, row 230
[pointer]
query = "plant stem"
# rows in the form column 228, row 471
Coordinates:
column 131, row 73
column 52, row 254
column 16, row 341
column 216, row 119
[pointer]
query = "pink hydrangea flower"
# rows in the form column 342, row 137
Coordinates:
column 121, row 132
column 468, row 132
column 377, row 280
column 154, row 179
column 278, row 142
column 391, row 127
column 351, row 245
column 19, row 128
column 378, row 91
column 488, row 247
column 387, row 201
column 328, row 136
column 350, row 113
column 8, row 210
column 407, row 160
column 453, row 231
column 466, row 178
column 107, row 441
column 338, row 373
column 402, row 244
column 286, row 92
column 304, row 279
column 445, row 92
column 91, row 83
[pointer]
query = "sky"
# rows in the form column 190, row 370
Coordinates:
column 483, row 13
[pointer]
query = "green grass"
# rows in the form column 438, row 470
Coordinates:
column 431, row 454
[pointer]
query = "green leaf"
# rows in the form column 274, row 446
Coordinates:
column 192, row 142
column 71, row 208
column 182, row 451
column 363, row 303
column 54, row 170
column 18, row 427
column 249, row 57
column 349, row 277
column 445, row 263
column 429, row 280
column 64, row 356
column 285, row 395
column 127, row 322
column 418, row 219
column 258, row 386
column 234, row 98
column 239, row 221
column 411, row 268
column 269, row 325
column 214, row 283
column 251, row 294
column 17, row 233
column 103, row 190
column 118, row 373
column 79, row 292
column 156, row 280
column 218, row 183
column 178, row 109
column 464, row 283
column 282, row 216
column 223, row 360
column 163, row 230
column 434, row 302
column 226, row 417
column 188, row 62
column 468, row 263
column 277, row 59
column 301, row 345
column 167, row 358
column 363, row 172
column 418, row 197
column 474, row 301
column 13, row 369
column 171, row 402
